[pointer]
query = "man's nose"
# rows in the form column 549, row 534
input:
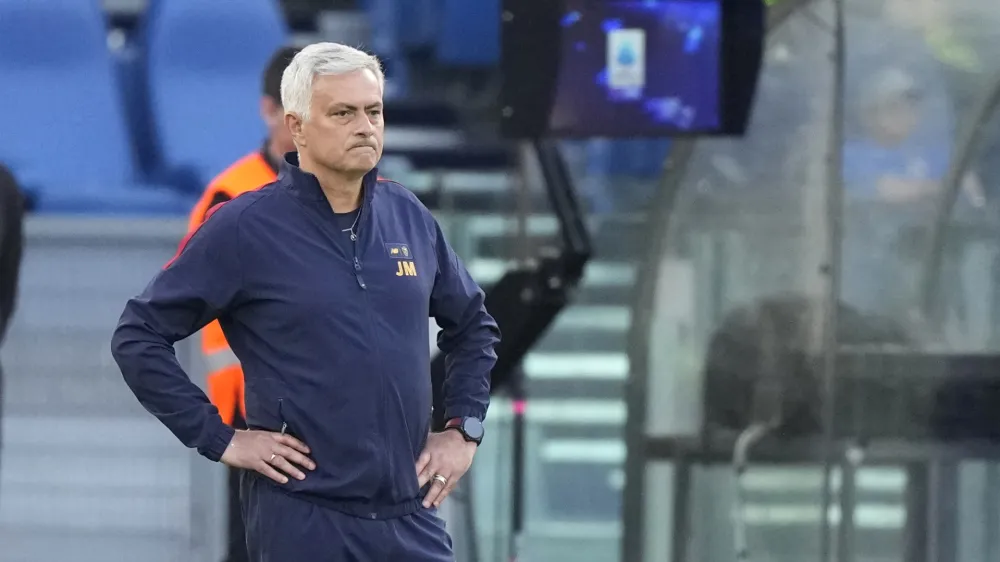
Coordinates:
column 365, row 127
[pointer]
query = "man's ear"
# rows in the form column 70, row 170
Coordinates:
column 294, row 124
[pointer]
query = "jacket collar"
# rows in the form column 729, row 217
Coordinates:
column 305, row 185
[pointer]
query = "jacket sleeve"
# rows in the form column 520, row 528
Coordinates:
column 468, row 335
column 201, row 283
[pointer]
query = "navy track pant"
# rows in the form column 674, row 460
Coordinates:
column 282, row 528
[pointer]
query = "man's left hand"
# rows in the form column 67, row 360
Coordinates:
column 445, row 459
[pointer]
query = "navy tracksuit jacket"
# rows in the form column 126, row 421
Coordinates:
column 332, row 336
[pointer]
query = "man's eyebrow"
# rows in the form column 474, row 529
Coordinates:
column 376, row 105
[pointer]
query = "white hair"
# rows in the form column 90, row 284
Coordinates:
column 321, row 59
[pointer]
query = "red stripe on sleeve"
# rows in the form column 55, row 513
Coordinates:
column 187, row 237
column 211, row 211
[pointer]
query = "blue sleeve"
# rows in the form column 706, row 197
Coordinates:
column 468, row 335
column 201, row 282
column 860, row 169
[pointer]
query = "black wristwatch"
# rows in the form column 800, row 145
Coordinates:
column 470, row 428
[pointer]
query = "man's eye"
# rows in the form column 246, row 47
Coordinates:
column 376, row 112
column 342, row 113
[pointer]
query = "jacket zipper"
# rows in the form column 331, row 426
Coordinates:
column 354, row 246
column 281, row 416
column 371, row 328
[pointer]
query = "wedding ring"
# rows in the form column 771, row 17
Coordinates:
column 440, row 478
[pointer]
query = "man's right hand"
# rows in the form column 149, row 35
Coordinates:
column 268, row 452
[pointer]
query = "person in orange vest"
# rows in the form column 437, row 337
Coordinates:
column 253, row 171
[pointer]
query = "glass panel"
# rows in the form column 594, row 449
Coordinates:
column 916, row 79
column 965, row 319
column 745, row 243
column 746, row 234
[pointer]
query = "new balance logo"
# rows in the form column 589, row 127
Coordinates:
column 398, row 251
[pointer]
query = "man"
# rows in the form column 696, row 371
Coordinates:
column 893, row 167
column 323, row 283
column 11, row 243
column 892, row 160
column 255, row 170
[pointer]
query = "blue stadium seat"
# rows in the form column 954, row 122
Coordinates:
column 203, row 65
column 64, row 130
column 469, row 33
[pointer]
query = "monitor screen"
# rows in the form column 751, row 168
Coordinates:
column 638, row 68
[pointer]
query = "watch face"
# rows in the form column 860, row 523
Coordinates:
column 473, row 428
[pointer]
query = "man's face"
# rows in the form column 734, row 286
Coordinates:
column 344, row 130
column 896, row 120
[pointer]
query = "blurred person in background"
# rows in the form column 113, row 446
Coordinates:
column 906, row 153
column 894, row 169
column 323, row 283
column 253, row 171
column 11, row 244
column 893, row 166
column 903, row 151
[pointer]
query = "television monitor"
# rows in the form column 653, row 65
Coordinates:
column 629, row 68
column 638, row 66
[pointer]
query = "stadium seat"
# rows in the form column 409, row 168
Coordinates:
column 64, row 130
column 203, row 65
column 419, row 22
column 469, row 33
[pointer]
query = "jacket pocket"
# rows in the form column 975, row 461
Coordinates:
column 264, row 410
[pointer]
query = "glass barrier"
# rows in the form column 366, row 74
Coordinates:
column 916, row 82
column 742, row 235
column 742, row 257
column 971, row 290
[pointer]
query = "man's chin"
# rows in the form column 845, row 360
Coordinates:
column 365, row 160
column 357, row 169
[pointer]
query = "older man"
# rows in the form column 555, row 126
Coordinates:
column 323, row 283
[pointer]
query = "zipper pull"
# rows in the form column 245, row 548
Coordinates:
column 284, row 427
column 357, row 273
